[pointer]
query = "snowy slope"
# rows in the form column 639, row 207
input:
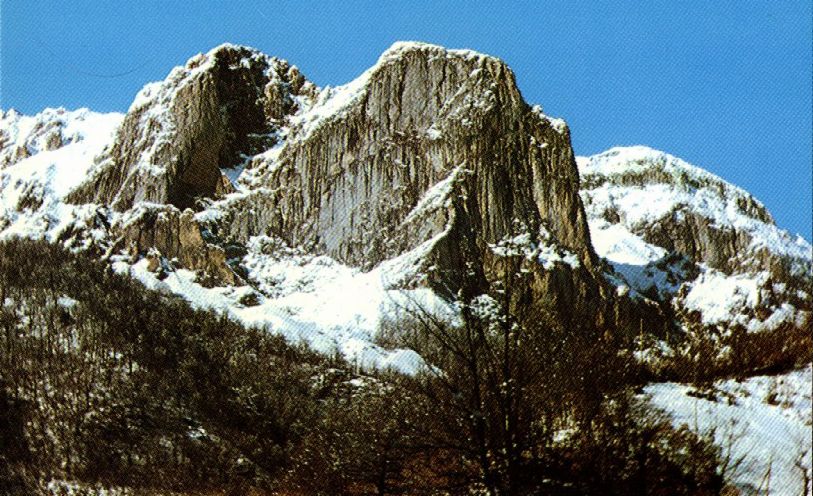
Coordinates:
column 629, row 192
column 22, row 136
column 644, row 186
column 32, row 189
column 333, row 308
column 763, row 422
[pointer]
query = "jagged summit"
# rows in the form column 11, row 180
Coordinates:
column 430, row 167
column 205, row 116
column 428, row 172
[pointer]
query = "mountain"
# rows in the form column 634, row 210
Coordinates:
column 427, row 163
column 320, row 214
column 674, row 231
column 389, row 173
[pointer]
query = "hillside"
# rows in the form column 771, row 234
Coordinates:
column 427, row 189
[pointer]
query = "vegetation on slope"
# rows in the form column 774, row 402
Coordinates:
column 106, row 384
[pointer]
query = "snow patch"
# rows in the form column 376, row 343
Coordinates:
column 765, row 420
column 722, row 298
column 544, row 251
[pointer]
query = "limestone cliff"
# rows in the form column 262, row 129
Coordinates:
column 211, row 114
column 427, row 171
column 429, row 146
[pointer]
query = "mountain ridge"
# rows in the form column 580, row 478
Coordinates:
column 458, row 155
column 425, row 188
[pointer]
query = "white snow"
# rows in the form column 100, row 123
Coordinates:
column 32, row 190
column 785, row 313
column 400, row 48
column 313, row 299
column 765, row 420
column 545, row 251
column 721, row 298
column 30, row 133
column 66, row 302
column 690, row 188
column 726, row 299
column 617, row 244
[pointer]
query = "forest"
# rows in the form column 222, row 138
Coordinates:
column 105, row 384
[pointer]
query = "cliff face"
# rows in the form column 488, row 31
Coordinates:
column 427, row 171
column 357, row 164
column 432, row 148
column 179, row 133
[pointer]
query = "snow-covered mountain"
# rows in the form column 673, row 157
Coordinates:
column 428, row 162
column 673, row 231
column 385, row 179
column 320, row 213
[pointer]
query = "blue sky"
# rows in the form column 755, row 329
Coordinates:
column 725, row 85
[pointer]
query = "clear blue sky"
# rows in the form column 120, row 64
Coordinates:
column 723, row 84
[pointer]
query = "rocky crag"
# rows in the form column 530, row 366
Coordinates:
column 687, row 238
column 427, row 172
column 429, row 147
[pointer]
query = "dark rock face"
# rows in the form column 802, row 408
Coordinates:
column 695, row 237
column 178, row 135
column 730, row 250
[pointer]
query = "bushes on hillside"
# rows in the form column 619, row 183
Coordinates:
column 106, row 384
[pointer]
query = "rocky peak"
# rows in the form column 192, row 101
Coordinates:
column 431, row 152
column 429, row 170
column 356, row 164
column 682, row 208
column 207, row 115
column 641, row 166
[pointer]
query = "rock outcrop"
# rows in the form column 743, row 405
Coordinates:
column 206, row 116
column 684, row 209
column 432, row 150
column 646, row 206
column 171, row 238
column 347, row 182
